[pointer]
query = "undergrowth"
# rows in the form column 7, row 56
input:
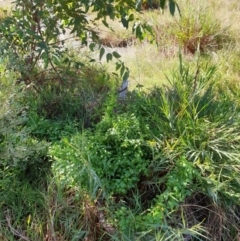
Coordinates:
column 161, row 165
column 146, row 160
column 77, row 163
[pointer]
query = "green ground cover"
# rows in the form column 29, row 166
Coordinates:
column 78, row 163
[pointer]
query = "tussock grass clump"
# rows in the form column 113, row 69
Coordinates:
column 196, row 29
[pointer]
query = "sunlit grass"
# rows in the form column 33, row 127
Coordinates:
column 149, row 63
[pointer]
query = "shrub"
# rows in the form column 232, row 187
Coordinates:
column 77, row 95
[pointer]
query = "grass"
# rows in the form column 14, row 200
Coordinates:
column 161, row 165
column 5, row 9
column 212, row 30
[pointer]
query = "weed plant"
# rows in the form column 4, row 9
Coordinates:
column 161, row 165
column 153, row 156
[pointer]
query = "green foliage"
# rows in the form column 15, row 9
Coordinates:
column 51, row 130
column 192, row 121
column 77, row 98
column 14, row 135
column 158, row 151
column 160, row 165
column 199, row 30
column 24, row 166
column 32, row 32
column 121, row 147
column 142, row 161
column 116, row 151
column 179, row 184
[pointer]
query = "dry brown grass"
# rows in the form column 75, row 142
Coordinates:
column 216, row 34
column 200, row 209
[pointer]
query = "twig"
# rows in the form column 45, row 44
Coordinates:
column 14, row 231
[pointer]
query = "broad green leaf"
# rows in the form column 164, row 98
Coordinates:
column 116, row 55
column 148, row 28
column 94, row 36
column 124, row 22
column 139, row 32
column 79, row 64
column 102, row 51
column 92, row 46
column 118, row 66
column 56, row 59
column 110, row 11
column 131, row 17
column 42, row 45
column 109, row 57
column 126, row 75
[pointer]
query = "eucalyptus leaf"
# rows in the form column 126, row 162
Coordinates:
column 116, row 55
column 92, row 46
column 102, row 51
column 172, row 6
column 109, row 57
